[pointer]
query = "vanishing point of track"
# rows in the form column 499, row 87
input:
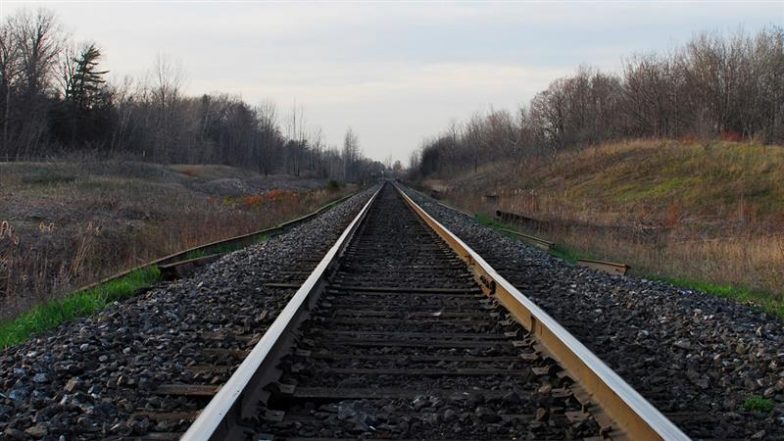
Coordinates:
column 394, row 337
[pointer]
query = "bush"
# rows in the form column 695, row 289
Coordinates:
column 333, row 185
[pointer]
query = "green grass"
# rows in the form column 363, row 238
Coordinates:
column 758, row 404
column 195, row 254
column 764, row 300
column 488, row 221
column 83, row 303
column 665, row 188
column 492, row 222
column 53, row 313
column 568, row 254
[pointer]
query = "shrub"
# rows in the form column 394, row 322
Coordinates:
column 252, row 200
column 333, row 185
column 729, row 135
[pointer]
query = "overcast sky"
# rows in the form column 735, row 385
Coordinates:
column 394, row 72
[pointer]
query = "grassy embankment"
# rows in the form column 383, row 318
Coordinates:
column 65, row 225
column 702, row 216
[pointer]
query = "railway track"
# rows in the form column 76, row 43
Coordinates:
column 393, row 336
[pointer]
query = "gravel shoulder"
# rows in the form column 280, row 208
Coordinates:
column 696, row 357
column 92, row 379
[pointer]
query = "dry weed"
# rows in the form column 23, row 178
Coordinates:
column 115, row 225
column 693, row 210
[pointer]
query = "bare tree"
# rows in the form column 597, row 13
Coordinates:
column 350, row 154
column 9, row 70
column 32, row 44
column 168, row 78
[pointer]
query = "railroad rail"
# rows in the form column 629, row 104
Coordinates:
column 538, row 242
column 175, row 264
column 401, row 332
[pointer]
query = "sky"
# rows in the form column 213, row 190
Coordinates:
column 395, row 73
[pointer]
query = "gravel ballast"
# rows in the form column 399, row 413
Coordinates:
column 96, row 378
column 402, row 345
column 696, row 357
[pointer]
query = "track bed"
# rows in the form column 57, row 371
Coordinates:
column 403, row 345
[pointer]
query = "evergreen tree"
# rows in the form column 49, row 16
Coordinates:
column 86, row 90
column 86, row 115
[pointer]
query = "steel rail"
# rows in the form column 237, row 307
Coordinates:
column 228, row 402
column 533, row 240
column 636, row 416
column 536, row 241
column 168, row 259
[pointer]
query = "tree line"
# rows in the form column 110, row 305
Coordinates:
column 55, row 100
column 729, row 87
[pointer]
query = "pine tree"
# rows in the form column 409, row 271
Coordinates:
column 86, row 89
column 87, row 113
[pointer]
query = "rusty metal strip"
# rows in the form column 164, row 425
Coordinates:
column 538, row 242
column 190, row 390
column 533, row 240
column 607, row 267
column 633, row 413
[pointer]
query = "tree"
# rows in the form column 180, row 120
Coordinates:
column 9, row 71
column 86, row 115
column 166, row 107
column 270, row 138
column 31, row 46
column 350, row 154
column 86, row 86
column 397, row 168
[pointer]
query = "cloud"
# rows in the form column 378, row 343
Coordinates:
column 395, row 72
column 392, row 106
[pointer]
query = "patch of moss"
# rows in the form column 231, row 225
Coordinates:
column 756, row 403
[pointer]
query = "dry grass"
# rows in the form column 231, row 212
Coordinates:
column 704, row 212
column 66, row 225
column 753, row 263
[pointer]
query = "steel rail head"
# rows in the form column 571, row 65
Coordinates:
column 636, row 416
column 213, row 415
